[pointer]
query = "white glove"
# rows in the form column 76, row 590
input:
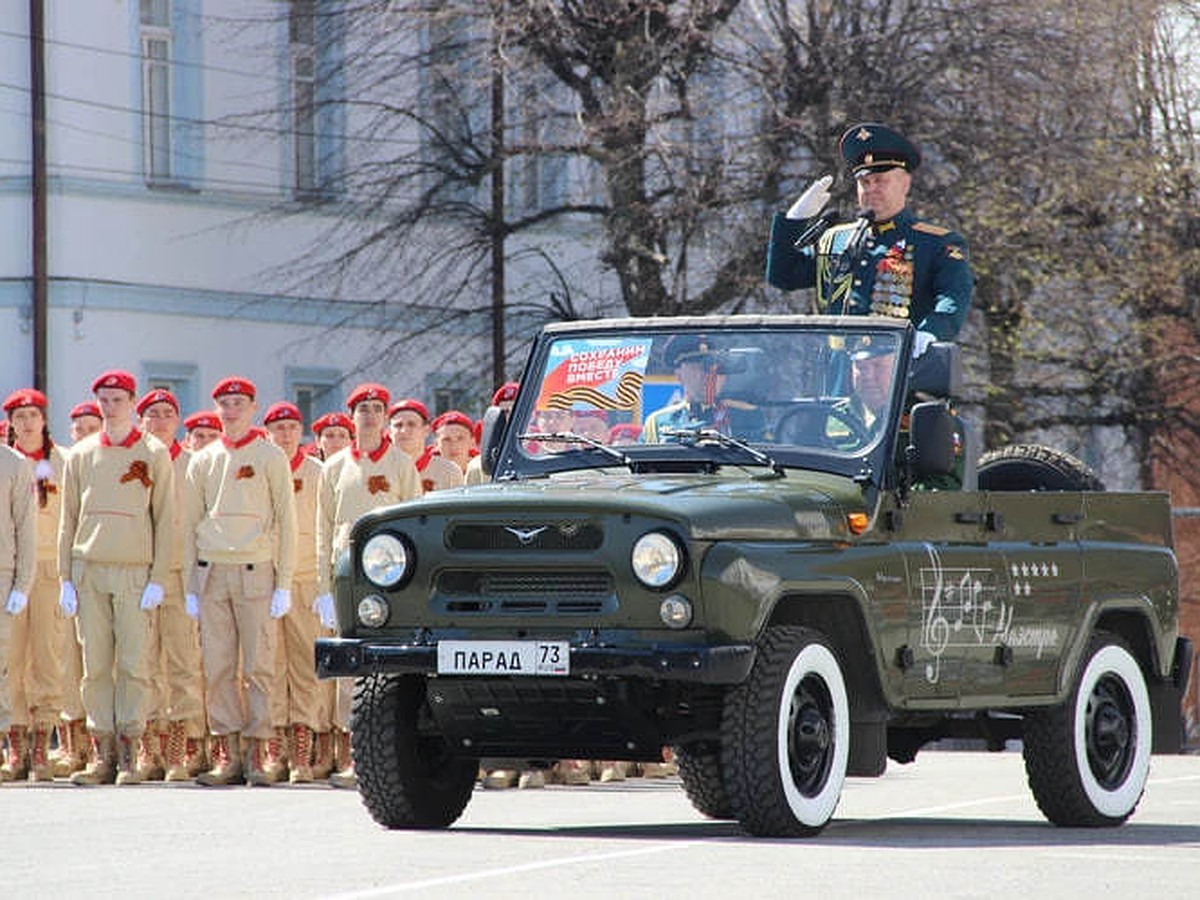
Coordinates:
column 43, row 470
column 323, row 607
column 17, row 602
column 281, row 602
column 813, row 200
column 191, row 605
column 152, row 596
column 921, row 343
column 68, row 602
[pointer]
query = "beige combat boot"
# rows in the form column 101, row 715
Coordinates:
column 275, row 757
column 102, row 767
column 196, row 755
column 226, row 754
column 257, row 772
column 16, row 760
column 322, row 755
column 301, row 754
column 73, row 745
column 176, row 753
column 345, row 776
column 148, row 755
column 41, row 768
column 127, row 759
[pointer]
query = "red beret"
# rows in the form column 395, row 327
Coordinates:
column 86, row 408
column 506, row 393
column 25, row 397
column 369, row 391
column 235, row 385
column 454, row 417
column 115, row 378
column 158, row 395
column 282, row 410
column 335, row 420
column 412, row 404
column 203, row 420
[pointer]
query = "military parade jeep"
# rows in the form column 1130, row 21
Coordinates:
column 766, row 543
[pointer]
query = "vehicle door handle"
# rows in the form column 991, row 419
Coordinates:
column 968, row 518
column 1067, row 518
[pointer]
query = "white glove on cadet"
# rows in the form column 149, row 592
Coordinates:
column 281, row 602
column 813, row 200
column 17, row 601
column 323, row 607
column 68, row 602
column 191, row 605
column 152, row 595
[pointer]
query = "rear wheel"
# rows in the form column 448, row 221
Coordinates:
column 1033, row 467
column 785, row 736
column 1088, row 760
column 407, row 776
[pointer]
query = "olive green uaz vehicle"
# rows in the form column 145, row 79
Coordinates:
column 764, row 542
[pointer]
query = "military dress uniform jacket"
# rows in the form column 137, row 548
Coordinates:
column 905, row 268
column 735, row 418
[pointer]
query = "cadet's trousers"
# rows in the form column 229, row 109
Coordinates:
column 180, row 678
column 235, row 607
column 301, row 698
column 6, row 627
column 118, row 646
column 35, row 658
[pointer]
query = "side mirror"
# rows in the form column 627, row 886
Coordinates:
column 495, row 421
column 938, row 371
column 931, row 439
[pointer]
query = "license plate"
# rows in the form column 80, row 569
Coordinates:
column 504, row 658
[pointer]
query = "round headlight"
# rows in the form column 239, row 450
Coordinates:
column 657, row 560
column 676, row 611
column 386, row 560
column 373, row 611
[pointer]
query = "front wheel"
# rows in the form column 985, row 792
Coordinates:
column 785, row 736
column 1088, row 760
column 407, row 776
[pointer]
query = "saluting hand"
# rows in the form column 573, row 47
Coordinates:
column 813, row 200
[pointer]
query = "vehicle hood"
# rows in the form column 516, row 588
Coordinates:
column 800, row 506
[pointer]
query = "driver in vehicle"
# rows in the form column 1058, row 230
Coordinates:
column 702, row 369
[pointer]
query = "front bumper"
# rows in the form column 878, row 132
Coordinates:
column 702, row 664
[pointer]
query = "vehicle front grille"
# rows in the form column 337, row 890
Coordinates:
column 564, row 535
column 523, row 592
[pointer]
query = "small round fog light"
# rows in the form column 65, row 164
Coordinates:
column 373, row 611
column 676, row 611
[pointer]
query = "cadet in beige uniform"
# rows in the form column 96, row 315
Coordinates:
column 334, row 432
column 179, row 716
column 18, row 560
column 114, row 552
column 409, row 420
column 202, row 429
column 305, row 701
column 40, row 631
column 85, row 420
column 237, row 495
column 370, row 474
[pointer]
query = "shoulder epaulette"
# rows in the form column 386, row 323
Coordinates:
column 927, row 228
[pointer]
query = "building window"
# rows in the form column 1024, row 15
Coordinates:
column 314, row 391
column 302, row 32
column 156, row 88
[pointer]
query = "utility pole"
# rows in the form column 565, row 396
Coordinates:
column 37, row 99
column 498, row 374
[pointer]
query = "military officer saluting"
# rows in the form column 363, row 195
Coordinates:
column 887, row 262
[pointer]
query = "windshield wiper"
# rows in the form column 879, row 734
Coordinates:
column 711, row 434
column 571, row 437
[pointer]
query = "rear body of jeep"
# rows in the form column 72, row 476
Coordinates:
column 823, row 616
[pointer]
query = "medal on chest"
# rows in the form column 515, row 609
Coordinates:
column 891, row 294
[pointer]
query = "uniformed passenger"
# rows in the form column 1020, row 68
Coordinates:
column 888, row 262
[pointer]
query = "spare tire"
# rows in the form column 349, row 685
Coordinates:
column 1033, row 467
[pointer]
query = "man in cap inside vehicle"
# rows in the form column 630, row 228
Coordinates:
column 702, row 369
column 886, row 262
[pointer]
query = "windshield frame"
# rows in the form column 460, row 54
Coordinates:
column 871, row 464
